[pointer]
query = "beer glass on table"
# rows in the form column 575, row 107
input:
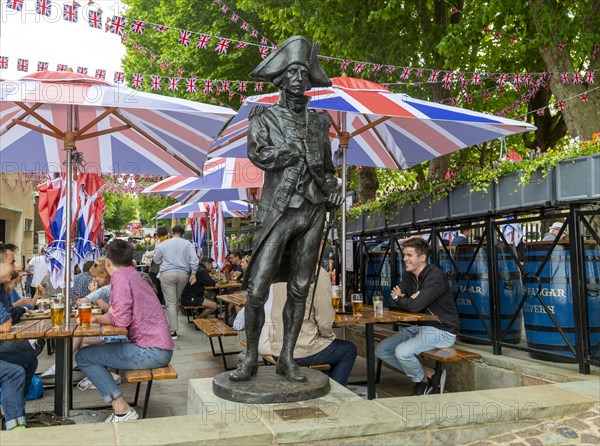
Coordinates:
column 84, row 310
column 378, row 304
column 335, row 297
column 57, row 314
column 357, row 304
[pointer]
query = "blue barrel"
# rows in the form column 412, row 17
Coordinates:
column 473, row 290
column 553, row 285
column 379, row 274
column 445, row 264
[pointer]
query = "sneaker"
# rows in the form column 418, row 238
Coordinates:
column 173, row 335
column 422, row 388
column 132, row 415
column 437, row 381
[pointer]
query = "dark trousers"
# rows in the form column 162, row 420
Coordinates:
column 28, row 362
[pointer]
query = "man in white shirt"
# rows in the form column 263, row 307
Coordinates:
column 37, row 268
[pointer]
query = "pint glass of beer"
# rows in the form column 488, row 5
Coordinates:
column 357, row 304
column 57, row 314
column 335, row 297
column 84, row 310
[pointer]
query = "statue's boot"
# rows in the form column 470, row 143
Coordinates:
column 247, row 368
column 290, row 370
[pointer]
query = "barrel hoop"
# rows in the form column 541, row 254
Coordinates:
column 484, row 316
column 514, row 275
column 533, row 279
column 553, row 347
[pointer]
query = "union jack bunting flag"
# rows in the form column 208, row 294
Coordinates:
column 344, row 65
column 241, row 44
column 117, row 25
column 234, row 17
column 359, row 67
column 71, row 13
column 577, row 78
column 17, row 5
column 202, row 41
column 43, row 7
column 242, row 86
column 433, row 76
column 501, row 79
column 225, row 85
column 82, row 70
column 419, row 73
column 405, row 73
column 4, row 62
column 137, row 80
column 138, row 27
column 100, row 74
column 589, row 77
column 258, row 86
column 584, row 97
column 448, row 80
column 208, row 86
column 263, row 51
column 95, row 19
column 173, row 83
column 119, row 77
column 161, row 28
column 62, row 67
column 564, row 77
column 254, row 33
column 390, row 69
column 224, row 9
column 155, row 83
column 245, row 26
column 376, row 67
column 190, row 85
column 463, row 84
column 561, row 105
column 264, row 41
column 185, row 37
column 23, row 65
column 476, row 79
column 222, row 46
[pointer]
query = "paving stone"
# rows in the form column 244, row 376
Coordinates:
column 590, row 439
column 549, row 438
column 503, row 438
column 517, row 444
column 588, row 414
column 209, row 373
column 481, row 443
column 528, row 433
column 567, row 432
column 575, row 424
column 534, row 441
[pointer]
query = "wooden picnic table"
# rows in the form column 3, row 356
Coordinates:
column 232, row 298
column 42, row 329
column 230, row 284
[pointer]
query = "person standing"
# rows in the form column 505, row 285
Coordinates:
column 462, row 238
column 135, row 307
column 178, row 264
column 291, row 144
column 424, row 288
column 553, row 232
column 37, row 269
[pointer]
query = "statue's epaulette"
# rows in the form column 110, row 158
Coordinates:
column 257, row 110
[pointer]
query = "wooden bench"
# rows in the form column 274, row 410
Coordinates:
column 149, row 376
column 191, row 311
column 215, row 328
column 268, row 359
column 439, row 355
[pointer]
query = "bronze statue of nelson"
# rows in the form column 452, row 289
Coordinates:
column 291, row 144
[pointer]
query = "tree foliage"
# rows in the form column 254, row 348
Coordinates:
column 120, row 210
column 149, row 205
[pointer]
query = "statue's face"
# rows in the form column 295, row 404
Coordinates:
column 295, row 79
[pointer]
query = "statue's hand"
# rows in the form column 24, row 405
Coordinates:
column 335, row 200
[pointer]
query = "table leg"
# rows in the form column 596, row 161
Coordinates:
column 370, row 350
column 63, row 379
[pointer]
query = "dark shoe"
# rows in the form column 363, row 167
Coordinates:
column 437, row 381
column 291, row 371
column 245, row 370
column 422, row 388
column 174, row 335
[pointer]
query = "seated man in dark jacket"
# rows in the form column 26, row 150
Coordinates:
column 193, row 295
column 424, row 288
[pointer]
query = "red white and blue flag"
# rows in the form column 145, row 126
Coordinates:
column 71, row 13
column 23, row 65
column 202, row 41
column 42, row 66
column 138, row 26
column 43, row 7
column 17, row 5
column 117, row 25
column 4, row 62
column 198, row 225
column 217, row 232
column 100, row 74
column 119, row 77
column 222, row 46
column 137, row 81
column 95, row 19
column 185, row 37
column 155, row 83
column 190, row 85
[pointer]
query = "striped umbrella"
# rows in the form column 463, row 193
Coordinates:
column 223, row 179
column 235, row 209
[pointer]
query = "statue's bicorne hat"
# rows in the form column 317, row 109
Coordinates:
column 295, row 50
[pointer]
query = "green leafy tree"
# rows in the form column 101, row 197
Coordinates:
column 149, row 205
column 120, row 210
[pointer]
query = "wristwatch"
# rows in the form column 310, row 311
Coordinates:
column 395, row 298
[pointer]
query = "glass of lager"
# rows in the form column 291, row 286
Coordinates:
column 335, row 297
column 85, row 314
column 378, row 304
column 57, row 314
column 357, row 304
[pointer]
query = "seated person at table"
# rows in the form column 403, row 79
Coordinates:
column 193, row 295
column 11, row 289
column 424, row 288
column 16, row 369
column 316, row 343
column 236, row 261
column 82, row 281
column 133, row 306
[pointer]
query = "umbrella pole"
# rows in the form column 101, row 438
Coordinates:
column 344, row 137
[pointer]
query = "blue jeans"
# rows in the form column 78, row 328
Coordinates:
column 340, row 354
column 95, row 360
column 16, row 371
column 401, row 351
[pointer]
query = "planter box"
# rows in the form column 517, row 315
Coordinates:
column 431, row 210
column 578, row 179
column 374, row 222
column 402, row 217
column 464, row 203
column 354, row 226
column 539, row 191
